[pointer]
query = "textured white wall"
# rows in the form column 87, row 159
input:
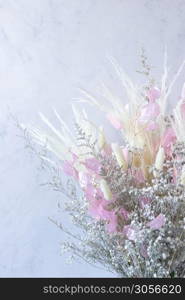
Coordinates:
column 47, row 49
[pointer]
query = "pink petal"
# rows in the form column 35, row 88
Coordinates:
column 93, row 164
column 97, row 203
column 69, row 169
column 112, row 225
column 97, row 209
column 149, row 111
column 84, row 179
column 168, row 140
column 153, row 94
column 124, row 213
column 152, row 125
column 114, row 121
column 158, row 222
column 90, row 192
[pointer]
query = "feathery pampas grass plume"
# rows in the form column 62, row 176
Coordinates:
column 128, row 200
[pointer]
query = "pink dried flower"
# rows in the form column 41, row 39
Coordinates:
column 149, row 112
column 158, row 222
column 93, row 164
column 112, row 223
column 168, row 139
column 153, row 94
column 69, row 169
column 84, row 179
column 124, row 213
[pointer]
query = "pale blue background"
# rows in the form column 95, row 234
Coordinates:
column 47, row 49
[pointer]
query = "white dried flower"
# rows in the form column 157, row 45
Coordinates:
column 182, row 178
column 160, row 157
column 119, row 155
column 105, row 189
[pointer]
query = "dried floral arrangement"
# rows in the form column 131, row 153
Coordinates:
column 127, row 200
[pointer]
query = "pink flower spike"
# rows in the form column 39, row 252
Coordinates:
column 158, row 222
column 69, row 169
column 93, row 164
column 114, row 121
column 153, row 94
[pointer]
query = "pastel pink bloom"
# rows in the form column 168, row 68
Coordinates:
column 69, row 169
column 158, row 222
column 152, row 125
column 144, row 200
column 112, row 224
column 98, row 210
column 168, row 140
column 84, row 179
column 90, row 192
column 130, row 232
column 93, row 164
column 124, row 213
column 97, row 203
column 153, row 94
column 149, row 112
column 114, row 121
